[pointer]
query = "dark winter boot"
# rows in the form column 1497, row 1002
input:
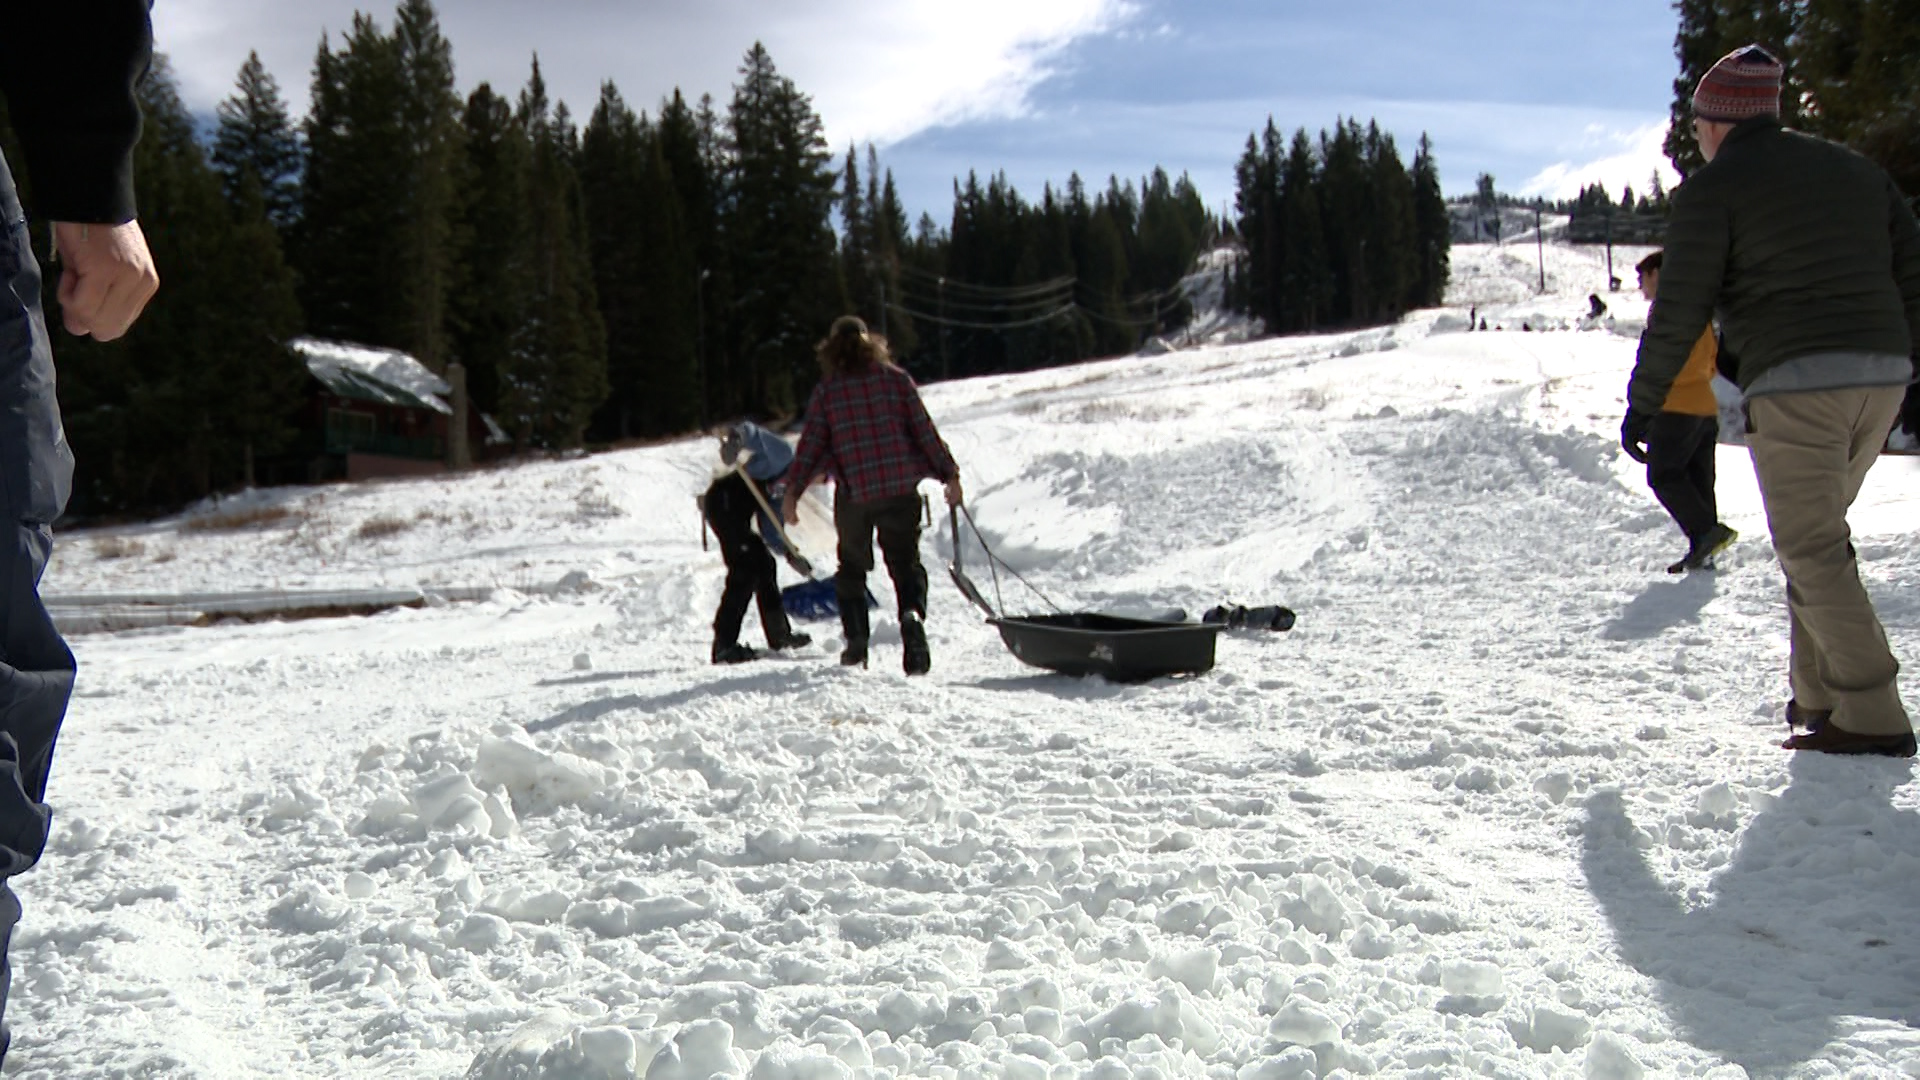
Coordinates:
column 792, row 639
column 1834, row 739
column 733, row 654
column 852, row 597
column 914, row 657
column 1704, row 547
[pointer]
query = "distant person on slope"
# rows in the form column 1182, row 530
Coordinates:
column 1812, row 258
column 731, row 509
column 68, row 72
column 867, row 421
column 1678, row 444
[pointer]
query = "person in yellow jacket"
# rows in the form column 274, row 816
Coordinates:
column 1677, row 445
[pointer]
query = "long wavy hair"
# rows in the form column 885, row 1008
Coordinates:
column 850, row 349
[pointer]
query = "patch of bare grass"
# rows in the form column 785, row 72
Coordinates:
column 248, row 517
column 381, row 525
column 118, row 547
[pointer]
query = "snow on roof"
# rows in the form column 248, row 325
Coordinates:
column 388, row 376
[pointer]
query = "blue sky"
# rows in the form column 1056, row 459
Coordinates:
column 1545, row 96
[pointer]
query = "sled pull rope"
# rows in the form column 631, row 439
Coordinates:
column 995, row 564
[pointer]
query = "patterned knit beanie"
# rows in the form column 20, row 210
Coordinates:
column 1744, row 83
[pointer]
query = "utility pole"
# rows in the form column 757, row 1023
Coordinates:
column 459, row 452
column 946, row 372
column 1610, row 276
column 1540, row 244
column 700, row 344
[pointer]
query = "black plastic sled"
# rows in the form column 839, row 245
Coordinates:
column 1112, row 646
column 1115, row 647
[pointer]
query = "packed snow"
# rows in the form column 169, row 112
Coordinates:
column 1508, row 801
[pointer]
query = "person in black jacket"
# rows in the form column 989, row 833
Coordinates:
column 1811, row 257
column 68, row 71
column 738, row 519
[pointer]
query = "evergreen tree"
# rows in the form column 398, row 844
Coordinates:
column 354, row 193
column 856, row 244
column 693, row 154
column 429, row 119
column 1257, row 198
column 491, row 305
column 1432, row 230
column 890, row 239
column 1344, row 201
column 256, row 144
column 781, row 242
column 1392, row 265
column 556, row 373
column 1306, row 280
column 375, row 244
column 643, row 276
column 1856, row 60
column 1167, row 245
column 1487, row 202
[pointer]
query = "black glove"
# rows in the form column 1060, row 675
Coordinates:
column 1633, row 434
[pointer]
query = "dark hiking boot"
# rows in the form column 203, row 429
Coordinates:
column 733, row 654
column 794, row 639
column 1711, row 543
column 854, row 628
column 914, row 658
column 1834, row 739
column 1804, row 721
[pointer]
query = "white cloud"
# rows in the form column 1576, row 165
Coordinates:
column 1626, row 159
column 875, row 72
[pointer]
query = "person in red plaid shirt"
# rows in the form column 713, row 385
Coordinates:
column 866, row 424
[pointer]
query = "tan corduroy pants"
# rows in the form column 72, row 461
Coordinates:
column 1811, row 452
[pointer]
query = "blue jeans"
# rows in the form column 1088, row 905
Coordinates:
column 36, row 473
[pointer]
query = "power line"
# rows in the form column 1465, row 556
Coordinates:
column 937, row 320
column 1051, row 299
column 1006, row 292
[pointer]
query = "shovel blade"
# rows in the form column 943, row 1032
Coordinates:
column 971, row 591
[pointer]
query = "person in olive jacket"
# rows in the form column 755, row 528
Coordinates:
column 68, row 71
column 1811, row 257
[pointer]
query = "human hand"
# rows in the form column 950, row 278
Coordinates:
column 1633, row 434
column 106, row 277
column 954, row 495
column 790, row 507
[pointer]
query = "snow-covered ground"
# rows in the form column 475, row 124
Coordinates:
column 1507, row 802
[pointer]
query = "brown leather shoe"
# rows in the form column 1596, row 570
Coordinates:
column 1834, row 739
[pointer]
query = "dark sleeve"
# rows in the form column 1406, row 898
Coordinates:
column 1695, row 265
column 929, row 440
column 68, row 69
column 1906, row 258
column 1726, row 362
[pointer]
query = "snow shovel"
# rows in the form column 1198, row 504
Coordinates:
column 792, row 554
column 960, row 579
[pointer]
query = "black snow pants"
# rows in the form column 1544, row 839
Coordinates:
column 36, row 473
column 751, row 574
column 897, row 521
column 1680, row 451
